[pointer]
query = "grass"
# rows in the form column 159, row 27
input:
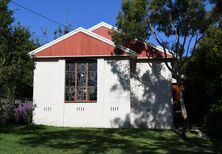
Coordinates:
column 45, row 139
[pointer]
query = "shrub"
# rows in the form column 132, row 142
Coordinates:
column 23, row 113
column 212, row 121
column 6, row 108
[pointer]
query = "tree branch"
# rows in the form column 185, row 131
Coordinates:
column 184, row 42
column 188, row 46
column 173, row 28
column 3, row 61
column 196, row 42
column 164, row 49
column 194, row 49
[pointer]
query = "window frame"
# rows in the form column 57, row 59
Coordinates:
column 86, row 61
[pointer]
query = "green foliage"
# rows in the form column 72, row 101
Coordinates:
column 167, row 16
column 5, row 19
column 16, row 66
column 212, row 120
column 184, row 17
column 131, row 22
column 204, row 72
column 6, row 110
column 205, row 65
column 174, row 24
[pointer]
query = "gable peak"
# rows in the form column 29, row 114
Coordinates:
column 100, row 25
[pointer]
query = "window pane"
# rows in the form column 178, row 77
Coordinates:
column 81, row 81
column 92, row 81
column 70, row 82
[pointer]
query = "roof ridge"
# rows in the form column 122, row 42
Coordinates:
column 100, row 25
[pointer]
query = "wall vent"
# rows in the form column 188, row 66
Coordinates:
column 114, row 108
column 80, row 108
column 47, row 109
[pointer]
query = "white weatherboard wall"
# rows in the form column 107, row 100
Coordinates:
column 116, row 87
column 151, row 104
column 122, row 101
column 87, row 114
column 110, row 110
column 49, row 92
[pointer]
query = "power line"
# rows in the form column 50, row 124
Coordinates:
column 43, row 16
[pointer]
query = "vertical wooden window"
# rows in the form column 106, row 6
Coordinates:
column 92, row 81
column 70, row 82
column 81, row 81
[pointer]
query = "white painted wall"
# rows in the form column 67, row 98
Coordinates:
column 49, row 92
column 92, row 116
column 151, row 93
column 113, row 107
column 116, row 87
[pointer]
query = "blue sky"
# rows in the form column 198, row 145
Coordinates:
column 78, row 13
column 84, row 13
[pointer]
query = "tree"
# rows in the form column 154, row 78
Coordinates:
column 62, row 31
column 204, row 73
column 16, row 66
column 176, row 25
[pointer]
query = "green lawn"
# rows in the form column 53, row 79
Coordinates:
column 44, row 139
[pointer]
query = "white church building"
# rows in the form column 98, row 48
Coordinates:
column 83, row 80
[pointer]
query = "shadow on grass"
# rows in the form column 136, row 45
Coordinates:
column 108, row 140
column 20, row 129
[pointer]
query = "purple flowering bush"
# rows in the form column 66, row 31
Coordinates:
column 23, row 113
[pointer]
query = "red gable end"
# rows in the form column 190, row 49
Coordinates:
column 103, row 31
column 79, row 44
column 143, row 50
column 96, row 41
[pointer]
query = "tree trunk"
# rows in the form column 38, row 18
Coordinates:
column 183, row 108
